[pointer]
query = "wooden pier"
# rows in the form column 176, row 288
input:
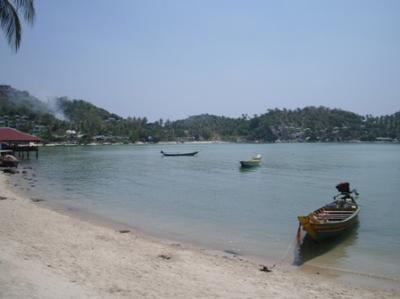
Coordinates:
column 19, row 143
column 23, row 151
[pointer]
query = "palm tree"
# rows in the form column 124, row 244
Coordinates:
column 10, row 11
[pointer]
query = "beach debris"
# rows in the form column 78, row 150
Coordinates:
column 37, row 199
column 10, row 170
column 264, row 268
column 116, row 289
column 233, row 252
column 164, row 256
column 24, row 172
column 102, row 238
column 3, row 198
column 124, row 231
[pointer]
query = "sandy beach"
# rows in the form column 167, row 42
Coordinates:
column 48, row 254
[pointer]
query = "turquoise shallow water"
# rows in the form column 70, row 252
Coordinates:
column 209, row 201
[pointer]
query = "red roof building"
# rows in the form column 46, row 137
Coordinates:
column 13, row 135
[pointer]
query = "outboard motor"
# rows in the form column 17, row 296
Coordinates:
column 343, row 187
column 346, row 195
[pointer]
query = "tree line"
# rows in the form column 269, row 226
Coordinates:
column 309, row 124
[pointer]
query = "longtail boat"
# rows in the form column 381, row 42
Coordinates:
column 333, row 218
column 254, row 161
column 178, row 154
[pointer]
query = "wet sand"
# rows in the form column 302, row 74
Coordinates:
column 45, row 253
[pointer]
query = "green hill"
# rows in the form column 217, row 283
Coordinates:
column 84, row 121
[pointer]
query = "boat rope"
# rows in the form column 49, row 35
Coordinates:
column 291, row 245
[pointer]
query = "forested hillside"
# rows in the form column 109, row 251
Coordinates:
column 79, row 121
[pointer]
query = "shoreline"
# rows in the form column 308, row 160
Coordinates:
column 215, row 142
column 108, row 223
column 42, row 247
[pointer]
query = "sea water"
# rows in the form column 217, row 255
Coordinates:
column 209, row 201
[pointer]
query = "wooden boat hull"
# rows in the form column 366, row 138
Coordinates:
column 178, row 154
column 323, row 232
column 254, row 161
column 320, row 228
column 249, row 163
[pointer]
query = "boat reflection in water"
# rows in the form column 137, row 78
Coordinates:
column 247, row 169
column 310, row 249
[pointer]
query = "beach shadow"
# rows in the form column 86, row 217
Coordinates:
column 310, row 249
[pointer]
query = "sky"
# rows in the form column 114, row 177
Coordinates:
column 171, row 59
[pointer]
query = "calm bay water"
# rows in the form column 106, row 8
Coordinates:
column 209, row 201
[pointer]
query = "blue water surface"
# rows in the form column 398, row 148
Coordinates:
column 209, row 201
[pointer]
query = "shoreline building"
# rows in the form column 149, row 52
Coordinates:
column 18, row 142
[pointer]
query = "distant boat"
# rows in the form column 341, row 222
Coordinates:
column 254, row 161
column 8, row 160
column 333, row 218
column 178, row 154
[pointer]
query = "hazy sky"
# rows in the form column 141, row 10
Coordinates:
column 171, row 59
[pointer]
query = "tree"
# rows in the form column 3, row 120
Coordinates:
column 10, row 11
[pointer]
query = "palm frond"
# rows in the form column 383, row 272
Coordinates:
column 27, row 8
column 10, row 23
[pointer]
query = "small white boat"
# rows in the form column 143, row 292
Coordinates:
column 254, row 161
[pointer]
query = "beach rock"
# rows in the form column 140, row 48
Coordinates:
column 3, row 198
column 37, row 199
column 164, row 256
column 116, row 289
column 264, row 268
column 124, row 231
column 10, row 170
column 233, row 252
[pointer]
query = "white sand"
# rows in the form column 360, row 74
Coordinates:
column 45, row 254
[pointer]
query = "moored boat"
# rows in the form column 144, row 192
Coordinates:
column 178, row 154
column 8, row 160
column 333, row 218
column 254, row 161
